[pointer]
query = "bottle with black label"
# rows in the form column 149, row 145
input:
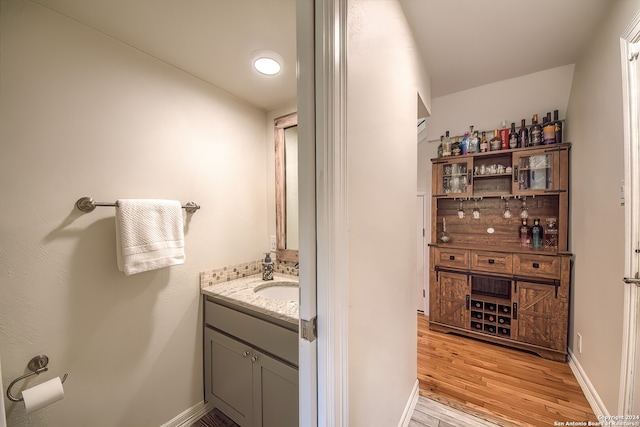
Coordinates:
column 523, row 135
column 513, row 137
column 535, row 133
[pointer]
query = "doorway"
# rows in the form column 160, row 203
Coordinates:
column 630, row 372
column 422, row 295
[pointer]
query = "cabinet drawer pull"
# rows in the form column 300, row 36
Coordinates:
column 515, row 174
column 452, row 257
column 468, row 177
column 245, row 354
column 254, row 359
column 492, row 261
column 535, row 265
column 515, row 311
column 468, row 302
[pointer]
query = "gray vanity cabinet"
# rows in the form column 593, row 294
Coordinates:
column 250, row 368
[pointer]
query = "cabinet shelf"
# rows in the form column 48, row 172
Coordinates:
column 492, row 175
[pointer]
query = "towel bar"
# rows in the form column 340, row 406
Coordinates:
column 87, row 204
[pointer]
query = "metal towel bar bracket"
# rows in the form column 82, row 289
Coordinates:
column 37, row 365
column 87, row 204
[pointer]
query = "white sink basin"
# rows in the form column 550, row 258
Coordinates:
column 279, row 290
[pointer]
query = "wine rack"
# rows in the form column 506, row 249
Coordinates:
column 491, row 316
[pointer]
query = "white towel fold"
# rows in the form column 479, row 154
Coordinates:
column 149, row 234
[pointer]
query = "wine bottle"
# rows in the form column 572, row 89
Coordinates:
column 558, row 127
column 523, row 135
column 548, row 130
column 535, row 133
column 525, row 233
column 484, row 145
column 513, row 137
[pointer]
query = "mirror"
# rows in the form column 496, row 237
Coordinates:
column 286, row 156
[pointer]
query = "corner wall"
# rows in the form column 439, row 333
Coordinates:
column 84, row 115
column 384, row 76
column 595, row 126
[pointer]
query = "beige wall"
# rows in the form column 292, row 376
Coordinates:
column 83, row 115
column 594, row 124
column 383, row 79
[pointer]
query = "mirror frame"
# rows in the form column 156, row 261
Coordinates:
column 280, row 124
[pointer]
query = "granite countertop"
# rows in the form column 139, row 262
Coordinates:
column 240, row 292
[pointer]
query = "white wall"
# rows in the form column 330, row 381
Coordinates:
column 594, row 123
column 383, row 78
column 83, row 115
column 485, row 107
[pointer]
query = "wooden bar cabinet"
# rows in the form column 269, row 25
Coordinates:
column 484, row 282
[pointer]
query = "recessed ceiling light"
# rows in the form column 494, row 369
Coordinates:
column 267, row 62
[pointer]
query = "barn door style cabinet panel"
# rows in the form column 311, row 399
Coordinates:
column 500, row 266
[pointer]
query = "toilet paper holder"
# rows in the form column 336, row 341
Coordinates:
column 36, row 365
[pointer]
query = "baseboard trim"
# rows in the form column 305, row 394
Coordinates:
column 590, row 392
column 190, row 416
column 411, row 405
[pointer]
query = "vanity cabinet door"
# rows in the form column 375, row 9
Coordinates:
column 275, row 392
column 454, row 299
column 228, row 376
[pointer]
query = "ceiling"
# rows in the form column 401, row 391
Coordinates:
column 470, row 43
column 464, row 43
column 213, row 40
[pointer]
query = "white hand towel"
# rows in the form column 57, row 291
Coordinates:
column 149, row 234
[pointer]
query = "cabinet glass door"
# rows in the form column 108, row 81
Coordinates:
column 535, row 172
column 454, row 178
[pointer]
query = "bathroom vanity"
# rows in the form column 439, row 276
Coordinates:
column 251, row 351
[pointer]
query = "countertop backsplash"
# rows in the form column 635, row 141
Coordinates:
column 233, row 272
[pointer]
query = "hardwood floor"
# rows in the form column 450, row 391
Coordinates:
column 502, row 385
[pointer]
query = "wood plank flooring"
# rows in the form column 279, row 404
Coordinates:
column 502, row 385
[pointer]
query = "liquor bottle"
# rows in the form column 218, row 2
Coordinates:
column 504, row 135
column 440, row 147
column 513, row 137
column 535, row 133
column 484, row 145
column 536, row 234
column 525, row 234
column 495, row 143
column 464, row 144
column 456, row 150
column 523, row 135
column 473, row 146
column 446, row 145
column 548, row 131
column 558, row 127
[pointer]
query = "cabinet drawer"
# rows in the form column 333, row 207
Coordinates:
column 493, row 262
column 536, row 265
column 456, row 258
column 271, row 338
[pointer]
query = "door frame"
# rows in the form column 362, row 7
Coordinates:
column 423, row 197
column 330, row 23
column 631, row 192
